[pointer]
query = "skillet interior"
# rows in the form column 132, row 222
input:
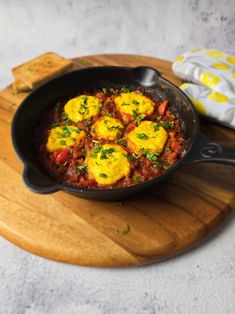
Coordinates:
column 87, row 80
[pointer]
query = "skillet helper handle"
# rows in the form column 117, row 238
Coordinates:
column 206, row 150
column 38, row 184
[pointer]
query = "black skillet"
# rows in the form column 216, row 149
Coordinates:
column 198, row 148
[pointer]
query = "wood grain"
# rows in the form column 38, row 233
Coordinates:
column 168, row 219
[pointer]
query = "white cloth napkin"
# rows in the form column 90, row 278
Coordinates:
column 212, row 88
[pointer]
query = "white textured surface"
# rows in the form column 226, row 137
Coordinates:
column 200, row 281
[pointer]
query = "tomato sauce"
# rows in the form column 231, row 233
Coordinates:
column 67, row 165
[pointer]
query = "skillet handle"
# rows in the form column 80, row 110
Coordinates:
column 38, row 183
column 206, row 150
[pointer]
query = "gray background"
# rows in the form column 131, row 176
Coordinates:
column 200, row 281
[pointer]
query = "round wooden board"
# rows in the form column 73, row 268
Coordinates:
column 172, row 217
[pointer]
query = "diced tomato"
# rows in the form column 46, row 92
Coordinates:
column 62, row 156
column 163, row 107
column 175, row 145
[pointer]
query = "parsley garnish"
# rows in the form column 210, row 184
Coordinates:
column 125, row 231
column 104, row 90
column 135, row 102
column 63, row 143
column 142, row 136
column 57, row 106
column 137, row 179
column 158, row 118
column 103, row 175
column 140, row 118
column 111, row 128
column 54, row 125
column 95, row 150
column 80, row 169
column 155, row 127
column 168, row 124
column 122, row 141
column 125, row 90
column 105, row 152
column 152, row 156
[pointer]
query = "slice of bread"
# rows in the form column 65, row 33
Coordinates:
column 20, row 86
column 35, row 72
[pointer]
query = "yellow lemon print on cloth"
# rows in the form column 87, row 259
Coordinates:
column 233, row 75
column 209, row 79
column 180, row 58
column 199, row 106
column 214, row 54
column 184, row 86
column 221, row 66
column 196, row 49
column 231, row 59
column 218, row 97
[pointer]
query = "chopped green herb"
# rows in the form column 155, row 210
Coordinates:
column 140, row 118
column 105, row 152
column 66, row 131
column 158, row 118
column 104, row 90
column 168, row 124
column 142, row 136
column 129, row 157
column 124, row 104
column 63, row 143
column 64, row 116
column 137, row 179
column 73, row 139
column 125, row 231
column 135, row 102
column 106, row 121
column 152, row 156
column 111, row 128
column 166, row 167
column 80, row 169
column 125, row 90
column 135, row 113
column 167, row 149
column 54, row 125
column 103, row 175
column 155, row 127
column 122, row 141
column 57, row 106
column 95, row 150
column 144, row 150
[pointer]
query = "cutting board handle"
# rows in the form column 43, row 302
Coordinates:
column 206, row 150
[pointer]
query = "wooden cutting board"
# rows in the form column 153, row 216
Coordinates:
column 168, row 219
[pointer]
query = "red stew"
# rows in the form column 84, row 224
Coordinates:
column 67, row 165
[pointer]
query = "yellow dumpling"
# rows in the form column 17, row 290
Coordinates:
column 82, row 108
column 63, row 136
column 107, row 128
column 133, row 104
column 147, row 137
column 107, row 164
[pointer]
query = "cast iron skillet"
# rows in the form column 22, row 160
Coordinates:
column 198, row 147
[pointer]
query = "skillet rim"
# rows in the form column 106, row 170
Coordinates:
column 82, row 191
